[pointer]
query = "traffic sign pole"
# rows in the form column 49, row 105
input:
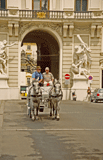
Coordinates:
column 90, row 78
column 67, row 81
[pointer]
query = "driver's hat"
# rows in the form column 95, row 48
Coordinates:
column 47, row 68
column 38, row 67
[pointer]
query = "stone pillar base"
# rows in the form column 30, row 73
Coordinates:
column 9, row 93
column 80, row 86
column 3, row 81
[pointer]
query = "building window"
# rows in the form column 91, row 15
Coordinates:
column 2, row 4
column 81, row 5
column 28, row 69
column 28, row 81
column 28, row 57
column 22, row 70
column 40, row 4
column 28, row 47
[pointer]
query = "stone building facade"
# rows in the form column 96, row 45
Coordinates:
column 53, row 26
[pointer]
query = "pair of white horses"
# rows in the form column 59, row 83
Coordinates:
column 52, row 99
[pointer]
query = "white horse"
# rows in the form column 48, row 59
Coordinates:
column 34, row 95
column 56, row 97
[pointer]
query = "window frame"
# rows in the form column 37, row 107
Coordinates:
column 5, row 5
column 29, row 47
column 28, row 80
column 81, row 6
column 40, row 4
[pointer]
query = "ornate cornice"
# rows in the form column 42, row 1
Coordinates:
column 82, row 29
column 4, row 26
column 55, row 26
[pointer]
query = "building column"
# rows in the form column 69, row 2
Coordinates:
column 16, row 25
column 71, row 27
column 27, row 4
column 10, row 25
column 93, row 27
column 65, row 27
column 102, row 41
column 99, row 30
column 54, row 4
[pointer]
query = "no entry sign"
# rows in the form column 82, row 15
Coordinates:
column 90, row 78
column 67, row 76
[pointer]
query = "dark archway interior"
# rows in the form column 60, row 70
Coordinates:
column 47, row 52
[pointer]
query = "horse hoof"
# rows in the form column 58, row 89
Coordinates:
column 37, row 118
column 50, row 114
column 58, row 119
column 33, row 118
column 53, row 118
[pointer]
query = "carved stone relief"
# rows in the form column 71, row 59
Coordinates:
column 81, row 59
column 13, row 11
column 57, row 27
column 81, row 29
column 101, row 62
column 97, row 13
column 4, row 26
column 68, row 14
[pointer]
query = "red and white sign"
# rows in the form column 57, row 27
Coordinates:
column 67, row 76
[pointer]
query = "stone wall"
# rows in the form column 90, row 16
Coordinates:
column 13, row 63
column 95, row 54
column 67, row 58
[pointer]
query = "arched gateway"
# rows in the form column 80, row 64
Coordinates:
column 49, row 48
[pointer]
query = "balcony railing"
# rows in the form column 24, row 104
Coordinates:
column 40, row 14
column 3, row 13
column 82, row 15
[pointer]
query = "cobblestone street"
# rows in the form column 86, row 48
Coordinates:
column 77, row 136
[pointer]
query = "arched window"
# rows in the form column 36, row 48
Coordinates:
column 2, row 4
column 81, row 5
column 40, row 4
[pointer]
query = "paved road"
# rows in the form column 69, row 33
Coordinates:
column 77, row 136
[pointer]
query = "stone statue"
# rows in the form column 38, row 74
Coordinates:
column 3, row 56
column 82, row 60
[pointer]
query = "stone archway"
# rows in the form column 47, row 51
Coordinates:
column 50, row 47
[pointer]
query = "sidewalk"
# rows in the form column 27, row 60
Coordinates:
column 1, row 122
column 1, row 112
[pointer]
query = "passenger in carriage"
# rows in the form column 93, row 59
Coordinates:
column 37, row 75
column 48, row 76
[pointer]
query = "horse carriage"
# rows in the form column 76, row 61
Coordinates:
column 47, row 96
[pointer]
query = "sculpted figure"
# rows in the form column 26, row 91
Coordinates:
column 3, row 55
column 82, row 59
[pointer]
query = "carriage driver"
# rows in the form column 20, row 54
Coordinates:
column 38, row 74
column 48, row 76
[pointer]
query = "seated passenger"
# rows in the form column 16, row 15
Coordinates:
column 48, row 77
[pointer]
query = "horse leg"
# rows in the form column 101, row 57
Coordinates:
column 53, row 117
column 37, row 112
column 33, row 112
column 51, row 105
column 57, row 110
column 31, row 115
